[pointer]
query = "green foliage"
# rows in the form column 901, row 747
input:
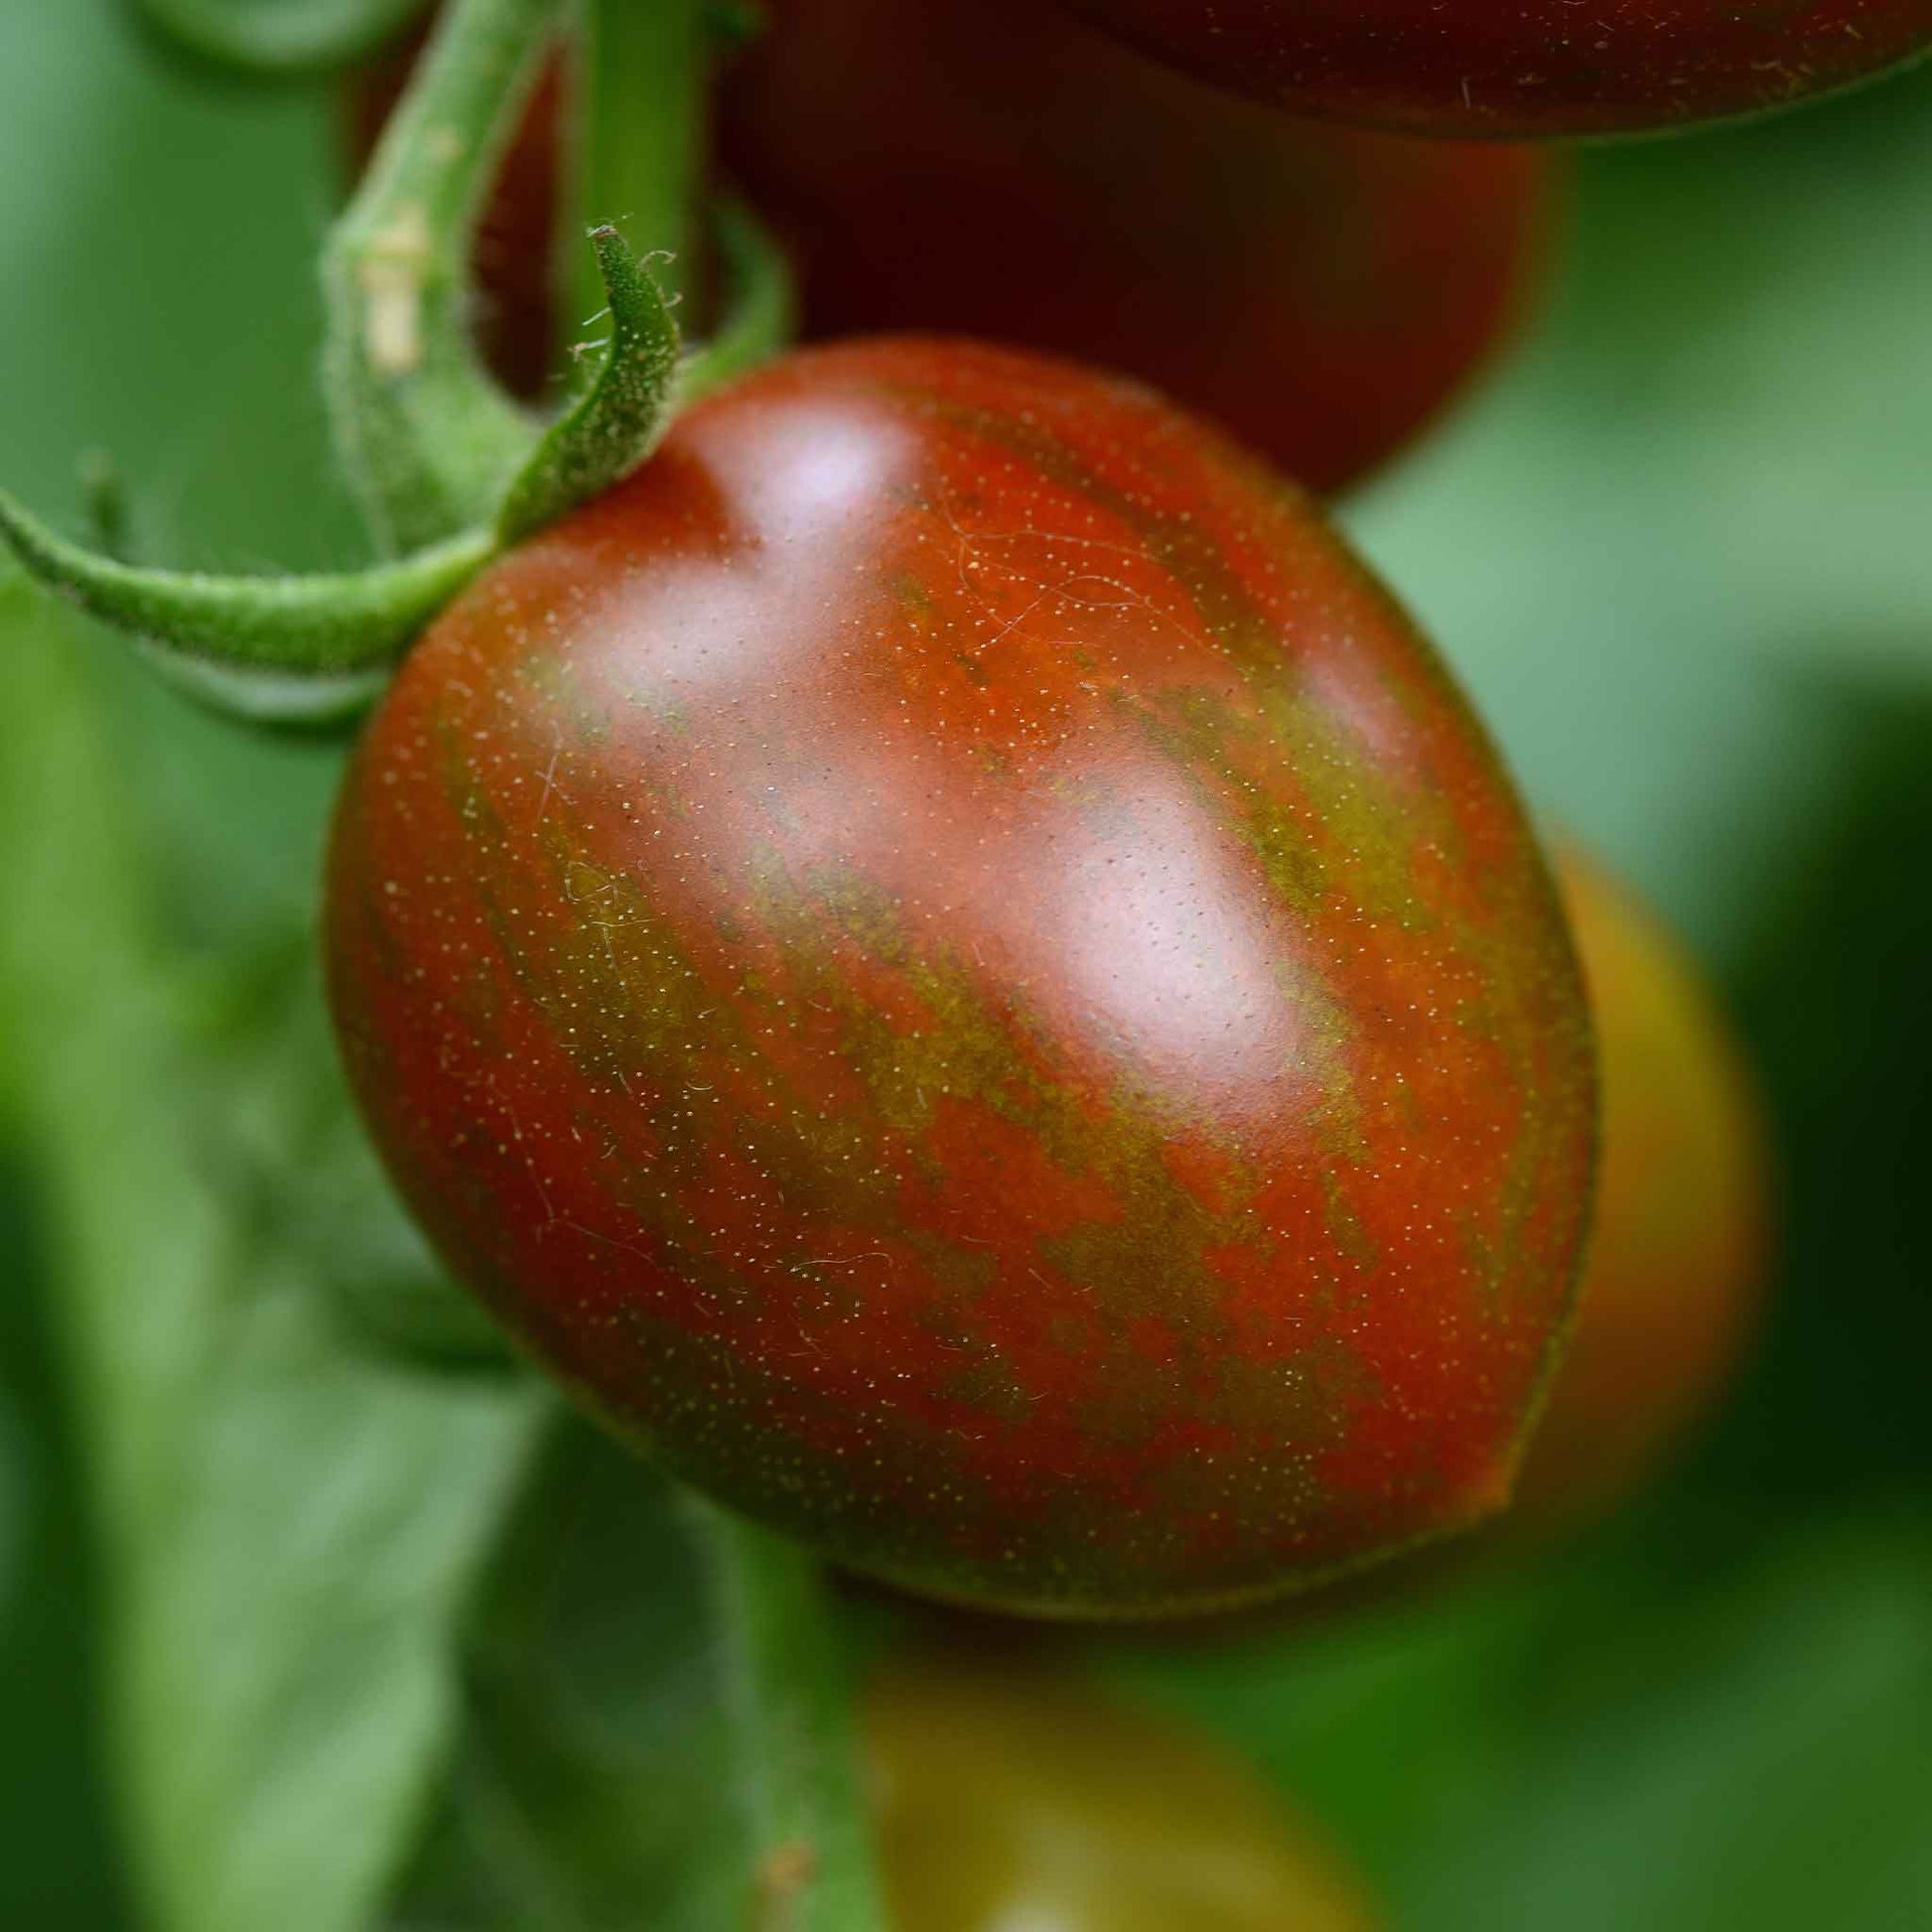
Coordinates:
column 292, row 36
column 594, row 1768
column 256, row 1470
column 286, row 1521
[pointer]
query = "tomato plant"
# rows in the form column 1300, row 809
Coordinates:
column 1007, row 1797
column 950, row 959
column 915, row 924
column 1541, row 67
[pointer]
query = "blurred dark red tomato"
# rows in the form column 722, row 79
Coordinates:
column 1321, row 293
column 1012, row 1801
column 1523, row 68
column 986, row 167
column 1671, row 1283
column 948, row 959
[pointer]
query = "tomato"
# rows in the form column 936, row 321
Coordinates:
column 947, row 959
column 1520, row 68
column 1004, row 1802
column 1321, row 293
column 994, row 170
column 1669, row 1284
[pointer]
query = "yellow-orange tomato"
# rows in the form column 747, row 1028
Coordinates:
column 1671, row 1280
column 1005, row 1802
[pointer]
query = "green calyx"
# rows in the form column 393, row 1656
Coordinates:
column 614, row 425
column 328, row 625
column 274, row 651
column 315, row 648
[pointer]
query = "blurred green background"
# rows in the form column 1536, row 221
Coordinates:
column 1680, row 546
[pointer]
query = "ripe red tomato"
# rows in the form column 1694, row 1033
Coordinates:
column 1005, row 1801
column 1523, row 68
column 948, row 959
column 995, row 170
column 1669, row 1284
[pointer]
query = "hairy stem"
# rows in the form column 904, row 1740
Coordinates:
column 790, row 1703
column 427, row 439
column 639, row 134
column 756, row 307
column 331, row 622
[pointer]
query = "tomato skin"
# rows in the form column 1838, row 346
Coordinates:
column 953, row 964
column 1006, row 1799
column 1675, row 1262
column 1523, row 68
column 996, row 170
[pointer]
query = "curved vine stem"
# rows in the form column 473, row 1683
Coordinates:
column 294, row 650
column 295, row 37
column 427, row 439
column 328, row 624
column 758, row 314
column 787, row 1683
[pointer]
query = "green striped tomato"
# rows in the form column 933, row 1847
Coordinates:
column 950, row 962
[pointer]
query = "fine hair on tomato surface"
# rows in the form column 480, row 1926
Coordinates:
column 951, row 962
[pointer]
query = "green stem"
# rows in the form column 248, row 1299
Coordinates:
column 642, row 71
column 329, row 624
column 757, row 309
column 786, row 1679
column 427, row 439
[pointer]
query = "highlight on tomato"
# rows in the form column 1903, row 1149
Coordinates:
column 951, row 962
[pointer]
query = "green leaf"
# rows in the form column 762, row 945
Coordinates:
column 658, row 1727
column 594, row 1789
column 288, row 1522
column 62, row 1866
column 757, row 315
